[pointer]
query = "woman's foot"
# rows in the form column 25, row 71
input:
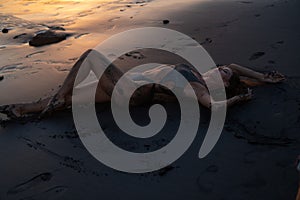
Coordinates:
column 13, row 111
column 55, row 103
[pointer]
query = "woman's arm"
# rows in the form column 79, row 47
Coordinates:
column 271, row 77
column 205, row 99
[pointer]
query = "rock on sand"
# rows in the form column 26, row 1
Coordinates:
column 47, row 37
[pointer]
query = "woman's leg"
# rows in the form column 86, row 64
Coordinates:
column 95, row 64
column 65, row 91
column 62, row 98
column 20, row 110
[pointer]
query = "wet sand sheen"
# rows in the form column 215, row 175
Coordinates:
column 23, row 19
column 88, row 22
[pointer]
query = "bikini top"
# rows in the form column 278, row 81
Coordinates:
column 165, row 75
column 187, row 72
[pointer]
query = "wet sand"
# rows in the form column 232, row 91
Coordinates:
column 254, row 159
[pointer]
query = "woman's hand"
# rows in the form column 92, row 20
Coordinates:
column 273, row 77
column 245, row 97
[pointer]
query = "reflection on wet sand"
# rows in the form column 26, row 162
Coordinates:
column 73, row 27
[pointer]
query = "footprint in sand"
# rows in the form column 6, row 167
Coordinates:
column 277, row 44
column 227, row 23
column 41, row 178
column 207, row 41
column 34, row 53
column 51, row 193
column 270, row 6
column 114, row 19
column 85, row 13
column 246, row 2
column 135, row 55
column 13, row 68
column 62, row 69
column 257, row 55
column 80, row 35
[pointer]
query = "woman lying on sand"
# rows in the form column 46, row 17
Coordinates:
column 236, row 79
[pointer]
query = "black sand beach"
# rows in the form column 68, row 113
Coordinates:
column 254, row 158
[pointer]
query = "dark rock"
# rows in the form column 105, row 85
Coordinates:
column 47, row 37
column 166, row 21
column 1, row 78
column 5, row 30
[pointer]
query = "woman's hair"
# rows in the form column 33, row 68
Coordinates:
column 236, row 86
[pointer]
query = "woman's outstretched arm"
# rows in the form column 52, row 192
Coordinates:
column 272, row 77
column 205, row 99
